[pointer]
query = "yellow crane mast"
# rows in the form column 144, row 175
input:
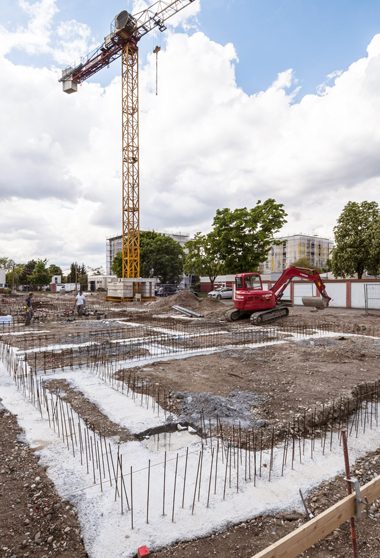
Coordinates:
column 126, row 31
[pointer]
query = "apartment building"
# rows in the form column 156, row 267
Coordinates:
column 292, row 248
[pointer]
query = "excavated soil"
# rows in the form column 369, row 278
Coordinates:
column 277, row 381
column 34, row 520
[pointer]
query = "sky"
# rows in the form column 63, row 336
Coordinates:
column 256, row 99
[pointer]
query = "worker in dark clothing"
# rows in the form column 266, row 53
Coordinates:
column 29, row 309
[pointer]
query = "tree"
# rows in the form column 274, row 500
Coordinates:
column 78, row 274
column 13, row 277
column 357, row 240
column 160, row 256
column 40, row 275
column 54, row 270
column 117, row 265
column 201, row 257
column 304, row 262
column 27, row 271
column 7, row 263
column 373, row 267
column 242, row 237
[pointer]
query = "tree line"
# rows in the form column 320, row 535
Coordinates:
column 239, row 240
column 37, row 273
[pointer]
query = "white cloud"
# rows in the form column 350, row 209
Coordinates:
column 65, row 42
column 205, row 143
column 34, row 37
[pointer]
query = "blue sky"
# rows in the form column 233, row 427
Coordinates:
column 221, row 133
column 313, row 37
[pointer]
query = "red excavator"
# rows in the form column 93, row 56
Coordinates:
column 250, row 299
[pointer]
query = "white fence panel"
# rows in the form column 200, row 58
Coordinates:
column 357, row 295
column 372, row 296
column 285, row 296
column 337, row 291
column 303, row 289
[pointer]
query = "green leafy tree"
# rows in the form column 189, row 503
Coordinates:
column 7, row 263
column 26, row 273
column 201, row 257
column 243, row 237
column 40, row 275
column 13, row 277
column 54, row 270
column 357, row 240
column 78, row 275
column 304, row 262
column 160, row 256
column 117, row 265
column 72, row 276
column 373, row 267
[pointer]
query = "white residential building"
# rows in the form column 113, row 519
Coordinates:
column 2, row 277
column 291, row 248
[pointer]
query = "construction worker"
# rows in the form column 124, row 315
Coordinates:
column 80, row 303
column 29, row 309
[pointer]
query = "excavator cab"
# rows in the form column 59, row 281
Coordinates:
column 248, row 281
column 250, row 296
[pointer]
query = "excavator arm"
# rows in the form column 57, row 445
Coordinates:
column 303, row 273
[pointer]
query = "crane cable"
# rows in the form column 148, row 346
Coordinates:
column 156, row 50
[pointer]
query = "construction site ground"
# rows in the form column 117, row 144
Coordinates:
column 265, row 387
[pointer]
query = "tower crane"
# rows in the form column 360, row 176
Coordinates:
column 126, row 32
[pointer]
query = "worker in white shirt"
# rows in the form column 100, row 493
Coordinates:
column 80, row 303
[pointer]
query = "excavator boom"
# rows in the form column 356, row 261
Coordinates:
column 303, row 273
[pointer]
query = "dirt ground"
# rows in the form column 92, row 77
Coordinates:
column 285, row 379
column 250, row 537
column 34, row 520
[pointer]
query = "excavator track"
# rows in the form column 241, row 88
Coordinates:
column 233, row 314
column 267, row 316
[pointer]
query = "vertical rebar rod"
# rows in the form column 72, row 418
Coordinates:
column 349, row 490
column 148, row 494
column 184, row 478
column 175, row 486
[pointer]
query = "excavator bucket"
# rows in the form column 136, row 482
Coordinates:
column 314, row 302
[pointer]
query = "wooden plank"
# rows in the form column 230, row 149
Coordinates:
column 320, row 526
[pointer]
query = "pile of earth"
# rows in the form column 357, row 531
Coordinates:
column 183, row 298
